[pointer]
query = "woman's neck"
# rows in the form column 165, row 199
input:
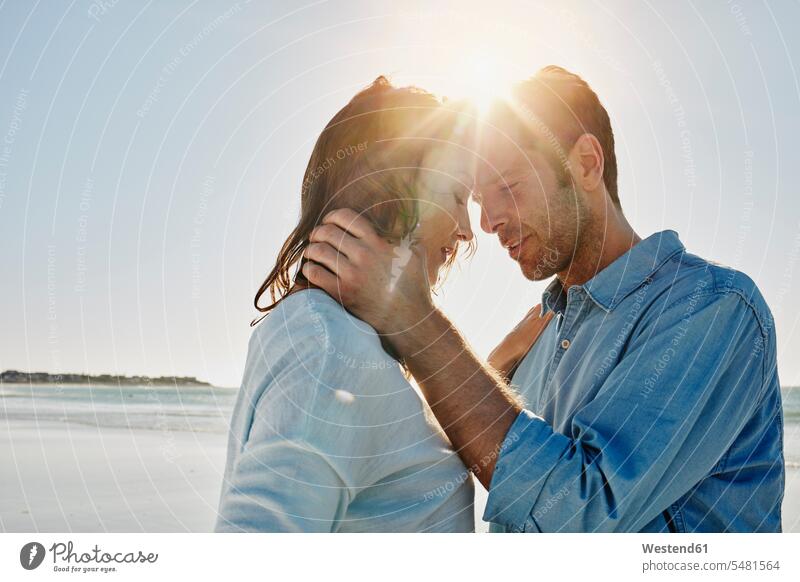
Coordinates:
column 300, row 286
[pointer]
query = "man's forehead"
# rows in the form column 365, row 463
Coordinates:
column 504, row 148
column 501, row 164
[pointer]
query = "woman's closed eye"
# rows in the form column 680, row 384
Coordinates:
column 509, row 188
column 460, row 198
column 462, row 194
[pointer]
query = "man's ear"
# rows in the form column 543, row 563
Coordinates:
column 588, row 162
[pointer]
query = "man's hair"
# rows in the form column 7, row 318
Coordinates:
column 565, row 107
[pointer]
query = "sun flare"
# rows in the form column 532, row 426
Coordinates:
column 483, row 78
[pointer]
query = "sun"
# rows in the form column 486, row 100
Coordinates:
column 483, row 78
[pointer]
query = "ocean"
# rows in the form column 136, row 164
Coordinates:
column 791, row 426
column 204, row 408
column 185, row 408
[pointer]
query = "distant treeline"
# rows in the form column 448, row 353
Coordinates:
column 15, row 377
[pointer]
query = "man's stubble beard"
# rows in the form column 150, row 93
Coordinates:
column 570, row 229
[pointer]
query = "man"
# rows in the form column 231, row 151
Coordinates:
column 650, row 403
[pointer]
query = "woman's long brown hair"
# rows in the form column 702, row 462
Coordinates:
column 367, row 158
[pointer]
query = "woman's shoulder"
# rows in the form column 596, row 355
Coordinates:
column 311, row 321
column 313, row 312
column 310, row 337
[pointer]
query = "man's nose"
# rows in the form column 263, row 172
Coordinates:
column 491, row 220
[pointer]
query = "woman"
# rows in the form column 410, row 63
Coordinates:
column 327, row 433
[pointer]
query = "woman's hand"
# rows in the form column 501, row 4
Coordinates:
column 519, row 341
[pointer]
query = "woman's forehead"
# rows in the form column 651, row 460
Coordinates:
column 450, row 159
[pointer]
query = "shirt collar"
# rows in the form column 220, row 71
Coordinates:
column 622, row 277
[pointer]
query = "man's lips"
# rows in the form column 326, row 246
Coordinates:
column 514, row 246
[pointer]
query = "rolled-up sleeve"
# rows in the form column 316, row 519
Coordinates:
column 663, row 418
column 529, row 452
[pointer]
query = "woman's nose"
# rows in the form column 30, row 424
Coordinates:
column 465, row 229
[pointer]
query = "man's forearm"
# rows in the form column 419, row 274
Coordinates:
column 471, row 402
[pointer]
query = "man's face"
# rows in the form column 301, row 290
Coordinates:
column 531, row 205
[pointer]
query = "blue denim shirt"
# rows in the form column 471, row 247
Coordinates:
column 652, row 404
column 327, row 434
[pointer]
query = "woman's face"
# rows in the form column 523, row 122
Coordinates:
column 443, row 187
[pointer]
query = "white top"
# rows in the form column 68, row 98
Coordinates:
column 328, row 435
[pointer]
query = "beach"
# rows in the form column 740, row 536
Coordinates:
column 139, row 460
column 111, row 459
column 79, row 478
column 791, row 501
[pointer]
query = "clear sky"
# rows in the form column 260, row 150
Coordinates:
column 151, row 154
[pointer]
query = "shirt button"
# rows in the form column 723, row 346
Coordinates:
column 565, row 343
